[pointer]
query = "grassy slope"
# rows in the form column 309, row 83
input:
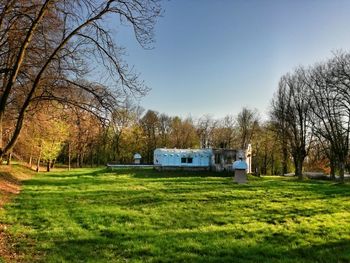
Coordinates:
column 10, row 185
column 92, row 216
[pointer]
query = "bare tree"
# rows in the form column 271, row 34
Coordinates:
column 183, row 133
column 150, row 123
column 121, row 119
column 164, row 129
column 47, row 47
column 265, row 155
column 329, row 83
column 205, row 128
column 291, row 116
column 225, row 134
column 279, row 122
column 247, row 122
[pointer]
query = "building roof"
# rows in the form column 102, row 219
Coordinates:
column 137, row 156
column 166, row 150
column 183, row 152
column 239, row 165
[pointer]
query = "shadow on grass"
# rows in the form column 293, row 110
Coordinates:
column 9, row 177
column 214, row 246
column 99, row 216
column 153, row 173
column 276, row 210
column 186, row 180
column 79, row 172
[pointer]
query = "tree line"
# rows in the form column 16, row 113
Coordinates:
column 310, row 113
column 65, row 96
column 78, row 138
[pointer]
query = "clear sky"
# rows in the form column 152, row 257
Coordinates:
column 216, row 56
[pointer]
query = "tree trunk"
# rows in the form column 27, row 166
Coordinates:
column 30, row 158
column 80, row 158
column 265, row 164
column 257, row 168
column 53, row 162
column 300, row 170
column 48, row 165
column 284, row 160
column 9, row 157
column 91, row 158
column 1, row 137
column 341, row 171
column 272, row 165
column 38, row 164
column 38, row 161
column 12, row 79
column 332, row 166
column 69, row 157
column 81, row 161
column 298, row 165
column 9, row 146
column 118, row 152
column 98, row 154
column 1, row 122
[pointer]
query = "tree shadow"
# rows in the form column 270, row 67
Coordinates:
column 179, row 239
column 9, row 177
column 153, row 173
column 195, row 246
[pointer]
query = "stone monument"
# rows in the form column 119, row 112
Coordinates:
column 137, row 158
column 240, row 167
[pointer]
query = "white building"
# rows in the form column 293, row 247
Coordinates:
column 182, row 157
column 214, row 159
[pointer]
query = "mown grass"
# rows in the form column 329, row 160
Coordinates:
column 91, row 215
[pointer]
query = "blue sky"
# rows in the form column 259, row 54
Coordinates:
column 216, row 56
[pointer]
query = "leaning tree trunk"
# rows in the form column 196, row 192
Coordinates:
column 9, row 158
column 6, row 92
column 1, row 145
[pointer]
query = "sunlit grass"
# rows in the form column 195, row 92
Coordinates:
column 91, row 215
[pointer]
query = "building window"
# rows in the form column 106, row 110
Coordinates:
column 187, row 160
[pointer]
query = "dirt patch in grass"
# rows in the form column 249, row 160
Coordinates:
column 10, row 185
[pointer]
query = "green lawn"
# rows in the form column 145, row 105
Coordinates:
column 91, row 215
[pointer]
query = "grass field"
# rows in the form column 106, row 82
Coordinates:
column 91, row 215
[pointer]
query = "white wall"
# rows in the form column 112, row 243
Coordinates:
column 172, row 157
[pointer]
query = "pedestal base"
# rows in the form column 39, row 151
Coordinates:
column 240, row 177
